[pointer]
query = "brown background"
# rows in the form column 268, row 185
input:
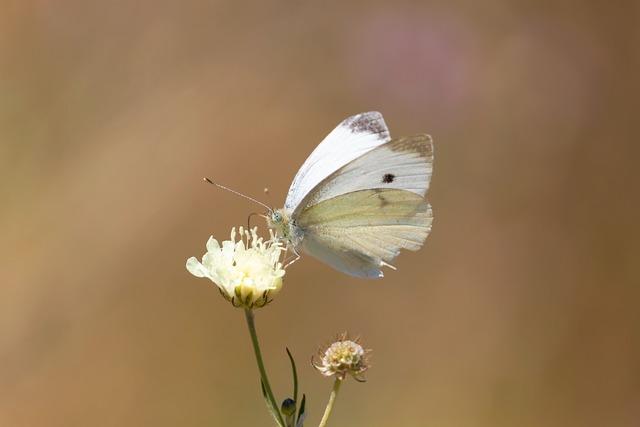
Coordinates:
column 521, row 310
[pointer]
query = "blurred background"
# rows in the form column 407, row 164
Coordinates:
column 522, row 309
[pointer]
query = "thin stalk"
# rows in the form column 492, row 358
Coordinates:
column 263, row 373
column 332, row 399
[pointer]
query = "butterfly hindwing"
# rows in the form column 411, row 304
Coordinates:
column 361, row 231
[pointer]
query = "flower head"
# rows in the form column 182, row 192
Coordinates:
column 247, row 274
column 342, row 357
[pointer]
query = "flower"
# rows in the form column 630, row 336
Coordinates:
column 343, row 357
column 247, row 274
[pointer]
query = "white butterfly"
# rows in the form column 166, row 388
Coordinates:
column 359, row 198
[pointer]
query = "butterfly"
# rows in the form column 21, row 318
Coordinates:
column 359, row 198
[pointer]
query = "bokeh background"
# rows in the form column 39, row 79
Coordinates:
column 521, row 310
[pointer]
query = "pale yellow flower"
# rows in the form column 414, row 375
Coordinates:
column 247, row 274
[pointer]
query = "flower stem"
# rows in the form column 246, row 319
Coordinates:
column 263, row 373
column 332, row 399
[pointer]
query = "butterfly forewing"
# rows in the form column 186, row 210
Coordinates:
column 351, row 139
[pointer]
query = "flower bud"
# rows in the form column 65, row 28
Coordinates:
column 288, row 407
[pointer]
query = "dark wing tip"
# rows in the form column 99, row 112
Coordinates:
column 369, row 122
column 421, row 144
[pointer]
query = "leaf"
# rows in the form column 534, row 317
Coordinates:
column 295, row 375
column 266, row 398
column 302, row 414
column 270, row 407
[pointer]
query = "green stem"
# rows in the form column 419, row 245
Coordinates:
column 263, row 373
column 332, row 399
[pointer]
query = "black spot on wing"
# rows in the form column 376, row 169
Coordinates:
column 388, row 178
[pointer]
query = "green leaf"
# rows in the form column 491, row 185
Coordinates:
column 295, row 375
column 266, row 398
column 302, row 414
column 270, row 407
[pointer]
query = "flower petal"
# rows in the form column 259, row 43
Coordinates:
column 196, row 268
column 212, row 245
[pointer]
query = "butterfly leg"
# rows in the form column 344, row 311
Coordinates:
column 296, row 256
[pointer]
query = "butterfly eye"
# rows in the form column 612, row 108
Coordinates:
column 277, row 217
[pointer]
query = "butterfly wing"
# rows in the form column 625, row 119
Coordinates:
column 351, row 139
column 402, row 164
column 359, row 232
column 359, row 218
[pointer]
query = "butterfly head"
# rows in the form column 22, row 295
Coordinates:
column 280, row 222
column 276, row 217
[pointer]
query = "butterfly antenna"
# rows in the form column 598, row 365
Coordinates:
column 237, row 193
